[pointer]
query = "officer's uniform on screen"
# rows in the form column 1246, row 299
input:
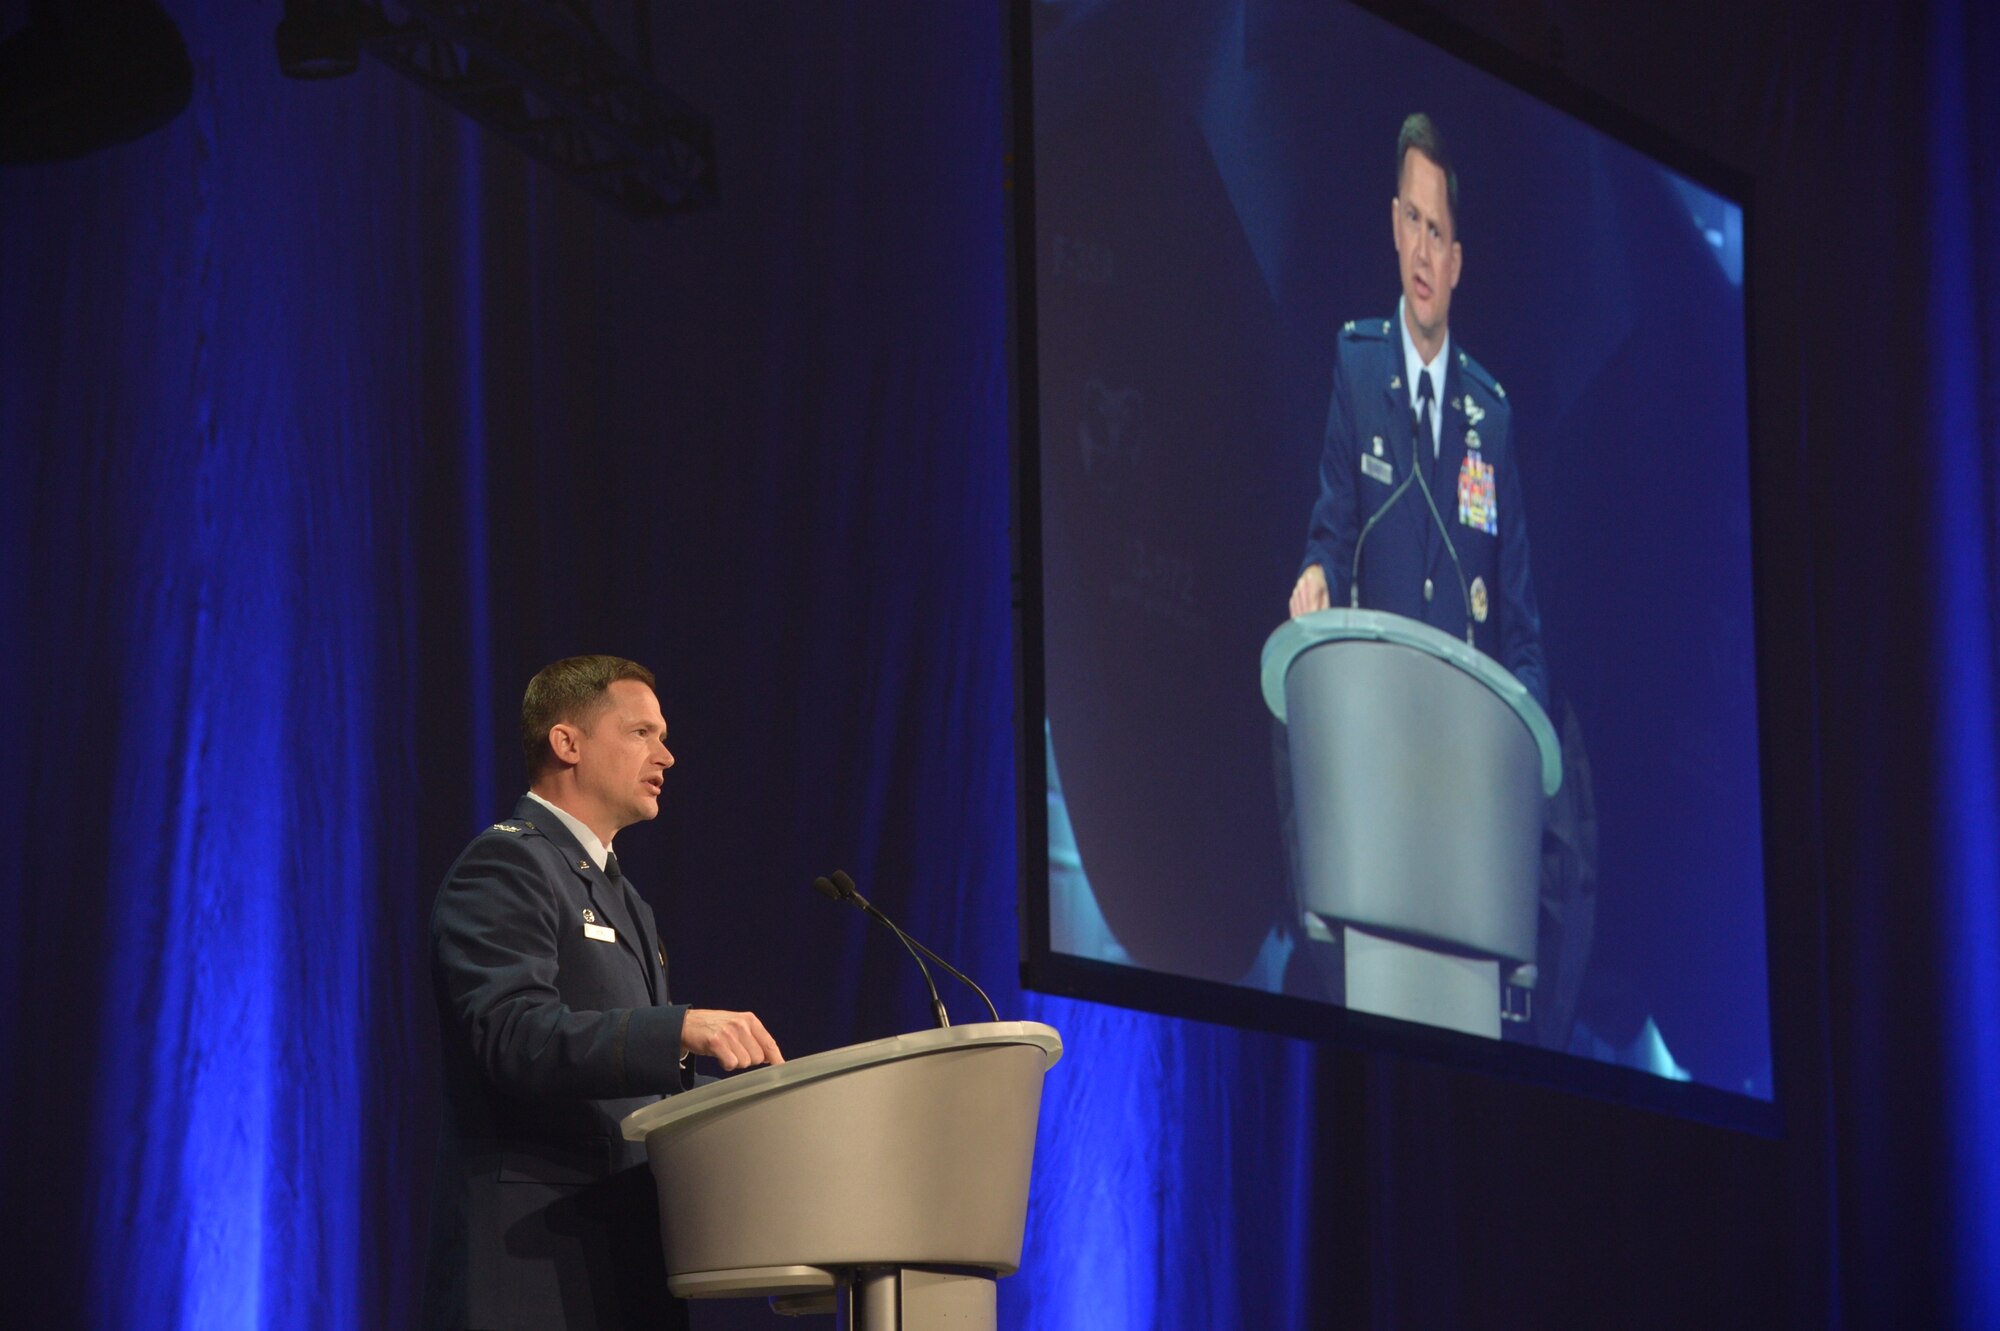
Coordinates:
column 1473, row 481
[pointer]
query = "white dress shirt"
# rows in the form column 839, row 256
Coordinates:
column 1414, row 365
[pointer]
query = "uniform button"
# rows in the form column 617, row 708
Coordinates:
column 1427, row 589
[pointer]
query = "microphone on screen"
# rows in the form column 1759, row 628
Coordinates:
column 1464, row 595
column 1361, row 542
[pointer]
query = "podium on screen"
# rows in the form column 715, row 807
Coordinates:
column 1420, row 767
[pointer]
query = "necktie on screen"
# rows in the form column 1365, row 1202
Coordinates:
column 611, row 867
column 1424, row 430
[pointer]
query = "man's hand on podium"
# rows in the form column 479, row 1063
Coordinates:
column 1310, row 592
column 733, row 1039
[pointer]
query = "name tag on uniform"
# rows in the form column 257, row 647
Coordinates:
column 600, row 933
column 1378, row 468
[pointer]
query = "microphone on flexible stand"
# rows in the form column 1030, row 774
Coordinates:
column 842, row 888
column 846, row 885
column 1464, row 593
column 1421, row 430
column 832, row 893
column 1354, row 570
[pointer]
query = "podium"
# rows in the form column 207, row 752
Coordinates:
column 1419, row 770
column 885, row 1182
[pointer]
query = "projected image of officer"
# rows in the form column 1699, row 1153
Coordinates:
column 1420, row 509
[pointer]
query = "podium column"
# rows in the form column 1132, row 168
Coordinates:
column 912, row 1298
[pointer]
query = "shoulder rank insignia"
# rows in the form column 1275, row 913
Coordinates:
column 1349, row 328
column 1385, row 328
column 503, row 827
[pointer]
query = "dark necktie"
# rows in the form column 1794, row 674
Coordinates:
column 1424, row 399
column 631, row 920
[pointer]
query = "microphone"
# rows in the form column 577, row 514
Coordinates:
column 847, row 893
column 846, row 890
column 1464, row 592
column 1354, row 571
column 846, row 886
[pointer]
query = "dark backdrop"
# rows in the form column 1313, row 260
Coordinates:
column 327, row 420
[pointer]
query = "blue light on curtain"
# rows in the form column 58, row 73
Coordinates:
column 1173, row 1177
column 1964, row 497
column 218, row 324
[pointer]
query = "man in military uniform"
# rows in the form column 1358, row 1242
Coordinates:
column 551, row 990
column 1420, row 508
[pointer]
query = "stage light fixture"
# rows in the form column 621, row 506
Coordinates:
column 542, row 74
column 87, row 75
column 319, row 39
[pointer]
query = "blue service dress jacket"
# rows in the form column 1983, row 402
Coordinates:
column 551, row 991
column 1374, row 470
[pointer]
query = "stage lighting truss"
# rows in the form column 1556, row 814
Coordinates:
column 542, row 75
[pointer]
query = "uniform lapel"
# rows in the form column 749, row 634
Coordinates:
column 604, row 895
column 611, row 903
column 649, row 944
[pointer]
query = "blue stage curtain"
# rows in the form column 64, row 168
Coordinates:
column 1964, row 236
column 204, row 421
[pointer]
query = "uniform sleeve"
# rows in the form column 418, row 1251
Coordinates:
column 1520, row 617
column 1335, row 522
column 493, row 947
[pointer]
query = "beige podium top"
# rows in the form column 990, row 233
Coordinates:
column 679, row 1110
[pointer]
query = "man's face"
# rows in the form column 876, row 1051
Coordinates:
column 1426, row 246
column 621, row 755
